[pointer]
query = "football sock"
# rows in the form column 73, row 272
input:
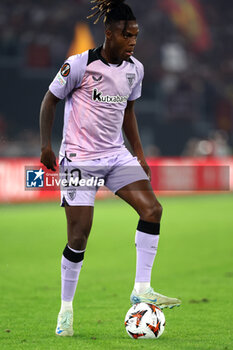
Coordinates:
column 146, row 241
column 66, row 305
column 71, row 264
column 141, row 287
column 74, row 250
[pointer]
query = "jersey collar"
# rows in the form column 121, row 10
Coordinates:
column 98, row 53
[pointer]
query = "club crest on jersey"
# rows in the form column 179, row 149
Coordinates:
column 97, row 79
column 130, row 77
column 65, row 70
column 98, row 96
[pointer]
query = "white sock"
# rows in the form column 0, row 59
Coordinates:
column 141, row 287
column 70, row 271
column 66, row 305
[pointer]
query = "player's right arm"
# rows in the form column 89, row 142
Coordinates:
column 47, row 114
column 67, row 79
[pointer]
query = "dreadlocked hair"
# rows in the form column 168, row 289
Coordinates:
column 112, row 11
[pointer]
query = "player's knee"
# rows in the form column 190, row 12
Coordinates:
column 78, row 235
column 77, row 242
column 152, row 212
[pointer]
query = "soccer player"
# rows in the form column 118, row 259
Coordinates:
column 100, row 87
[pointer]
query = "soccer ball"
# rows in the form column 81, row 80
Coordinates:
column 144, row 321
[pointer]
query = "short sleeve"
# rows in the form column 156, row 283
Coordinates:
column 69, row 76
column 137, row 90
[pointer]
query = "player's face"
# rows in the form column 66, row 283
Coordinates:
column 122, row 41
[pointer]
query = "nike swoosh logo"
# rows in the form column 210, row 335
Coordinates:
column 59, row 331
column 152, row 300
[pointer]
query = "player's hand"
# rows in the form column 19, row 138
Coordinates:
column 48, row 158
column 145, row 167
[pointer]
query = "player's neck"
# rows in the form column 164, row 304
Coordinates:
column 108, row 55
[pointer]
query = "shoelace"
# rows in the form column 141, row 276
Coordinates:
column 66, row 320
column 153, row 293
column 150, row 291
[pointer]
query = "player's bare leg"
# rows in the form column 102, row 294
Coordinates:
column 79, row 221
column 141, row 197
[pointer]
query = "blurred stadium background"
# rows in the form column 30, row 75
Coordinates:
column 186, row 47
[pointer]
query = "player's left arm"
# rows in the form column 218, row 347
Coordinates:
column 130, row 127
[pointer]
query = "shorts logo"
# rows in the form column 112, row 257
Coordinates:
column 65, row 70
column 130, row 77
column 71, row 194
column 97, row 79
column 34, row 178
column 98, row 96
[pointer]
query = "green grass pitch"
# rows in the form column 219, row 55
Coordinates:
column 194, row 263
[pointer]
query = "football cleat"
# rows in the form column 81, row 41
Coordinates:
column 65, row 324
column 151, row 297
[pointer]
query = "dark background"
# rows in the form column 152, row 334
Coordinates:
column 187, row 102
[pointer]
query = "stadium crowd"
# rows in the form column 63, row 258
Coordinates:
column 186, row 90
